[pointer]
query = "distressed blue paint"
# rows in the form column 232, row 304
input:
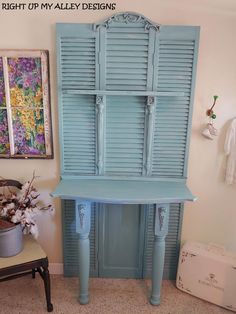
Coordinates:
column 126, row 59
column 155, row 63
column 79, row 152
column 100, row 126
column 124, row 135
column 158, row 256
column 119, row 224
column 125, row 55
column 97, row 63
column 133, row 19
column 193, row 79
column 70, row 240
column 84, row 259
column 176, row 73
column 149, row 128
column 124, row 191
column 151, row 51
column 121, row 178
column 172, row 241
column 83, row 217
column 76, row 58
column 102, row 58
column 123, row 93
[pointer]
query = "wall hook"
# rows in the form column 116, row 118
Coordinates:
column 210, row 131
column 210, row 112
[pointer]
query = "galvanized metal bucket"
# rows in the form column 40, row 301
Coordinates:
column 11, row 241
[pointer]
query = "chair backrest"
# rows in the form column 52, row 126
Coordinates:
column 9, row 182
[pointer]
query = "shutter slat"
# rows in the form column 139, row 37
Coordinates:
column 130, row 71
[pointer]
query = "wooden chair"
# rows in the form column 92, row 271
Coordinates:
column 30, row 260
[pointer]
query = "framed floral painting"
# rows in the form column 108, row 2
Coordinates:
column 25, row 120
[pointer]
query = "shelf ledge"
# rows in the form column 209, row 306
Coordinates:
column 124, row 191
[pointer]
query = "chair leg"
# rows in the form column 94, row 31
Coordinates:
column 46, row 280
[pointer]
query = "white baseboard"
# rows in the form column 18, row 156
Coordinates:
column 56, row 268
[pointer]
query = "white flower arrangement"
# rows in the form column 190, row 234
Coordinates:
column 21, row 206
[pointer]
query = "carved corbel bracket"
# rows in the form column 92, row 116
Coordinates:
column 150, row 105
column 83, row 213
column 161, row 216
column 81, row 209
column 99, row 104
column 161, row 219
column 150, row 100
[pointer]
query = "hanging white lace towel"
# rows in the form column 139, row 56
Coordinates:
column 230, row 150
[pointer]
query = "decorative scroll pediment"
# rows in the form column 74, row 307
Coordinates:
column 128, row 18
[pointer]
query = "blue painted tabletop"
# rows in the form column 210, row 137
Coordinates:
column 123, row 191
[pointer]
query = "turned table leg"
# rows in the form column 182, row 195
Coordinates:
column 158, row 257
column 83, row 213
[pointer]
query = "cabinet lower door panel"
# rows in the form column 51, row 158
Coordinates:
column 121, row 238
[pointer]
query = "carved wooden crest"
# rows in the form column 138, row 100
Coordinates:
column 129, row 18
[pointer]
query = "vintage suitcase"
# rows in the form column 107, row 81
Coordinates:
column 208, row 272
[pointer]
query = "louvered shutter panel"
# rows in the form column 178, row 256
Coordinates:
column 70, row 240
column 175, row 74
column 77, row 56
column 127, row 52
column 125, row 117
column 77, row 65
column 79, row 134
column 170, row 137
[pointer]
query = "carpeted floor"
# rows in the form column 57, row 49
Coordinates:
column 119, row 296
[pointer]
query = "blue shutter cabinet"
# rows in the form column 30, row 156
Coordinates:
column 125, row 94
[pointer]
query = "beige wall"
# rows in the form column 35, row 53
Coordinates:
column 213, row 216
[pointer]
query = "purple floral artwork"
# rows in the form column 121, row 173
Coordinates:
column 25, row 82
column 28, row 131
column 2, row 87
column 25, row 120
column 4, row 138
